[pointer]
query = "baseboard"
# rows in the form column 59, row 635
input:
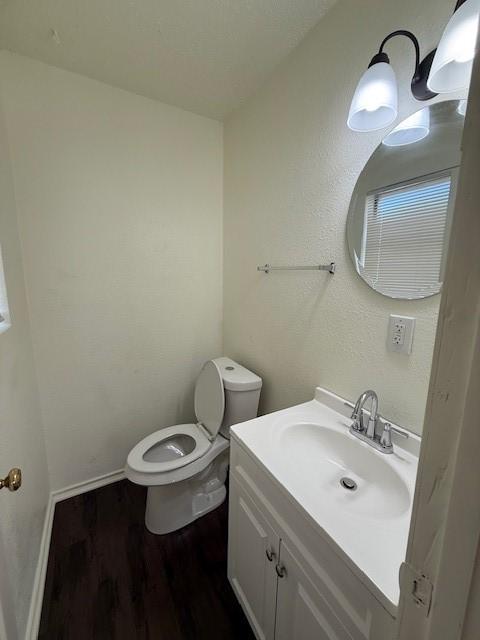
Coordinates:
column 35, row 612
column 40, row 574
column 87, row 485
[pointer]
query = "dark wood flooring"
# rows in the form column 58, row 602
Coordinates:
column 109, row 578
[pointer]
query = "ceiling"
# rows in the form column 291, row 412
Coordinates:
column 206, row 56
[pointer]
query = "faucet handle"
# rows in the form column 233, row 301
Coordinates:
column 357, row 417
column 399, row 432
column 386, row 437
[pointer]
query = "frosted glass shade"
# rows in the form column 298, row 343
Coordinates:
column 412, row 129
column 374, row 104
column 462, row 107
column 452, row 64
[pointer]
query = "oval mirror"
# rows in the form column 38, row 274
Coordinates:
column 399, row 218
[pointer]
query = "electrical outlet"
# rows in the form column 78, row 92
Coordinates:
column 400, row 334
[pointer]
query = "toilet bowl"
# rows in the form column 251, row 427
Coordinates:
column 185, row 466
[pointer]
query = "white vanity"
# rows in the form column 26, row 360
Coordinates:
column 318, row 524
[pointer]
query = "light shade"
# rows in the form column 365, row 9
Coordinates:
column 374, row 104
column 412, row 129
column 462, row 107
column 452, row 64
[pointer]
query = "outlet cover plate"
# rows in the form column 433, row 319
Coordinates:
column 400, row 334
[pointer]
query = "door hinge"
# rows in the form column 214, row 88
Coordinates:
column 417, row 585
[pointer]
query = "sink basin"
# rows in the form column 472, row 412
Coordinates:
column 328, row 456
column 308, row 450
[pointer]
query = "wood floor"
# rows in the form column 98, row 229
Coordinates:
column 109, row 578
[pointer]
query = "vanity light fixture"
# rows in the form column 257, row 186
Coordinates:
column 410, row 130
column 462, row 107
column 374, row 104
column 448, row 68
column 452, row 64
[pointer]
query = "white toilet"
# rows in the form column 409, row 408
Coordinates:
column 185, row 466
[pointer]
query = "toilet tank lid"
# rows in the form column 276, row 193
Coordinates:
column 237, row 378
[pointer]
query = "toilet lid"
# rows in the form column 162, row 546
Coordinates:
column 210, row 398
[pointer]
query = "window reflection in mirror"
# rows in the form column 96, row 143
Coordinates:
column 400, row 212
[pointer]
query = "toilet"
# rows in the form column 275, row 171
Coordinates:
column 185, row 466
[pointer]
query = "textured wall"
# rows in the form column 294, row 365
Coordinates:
column 290, row 168
column 120, row 216
column 202, row 56
column 21, row 435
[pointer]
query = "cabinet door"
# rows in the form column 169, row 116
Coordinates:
column 302, row 612
column 253, row 548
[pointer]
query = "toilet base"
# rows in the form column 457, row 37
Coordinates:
column 173, row 506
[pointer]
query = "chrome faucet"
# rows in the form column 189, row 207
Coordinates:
column 357, row 414
column 367, row 434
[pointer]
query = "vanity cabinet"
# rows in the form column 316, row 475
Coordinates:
column 254, row 548
column 302, row 611
column 290, row 582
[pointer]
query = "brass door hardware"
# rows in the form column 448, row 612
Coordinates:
column 13, row 481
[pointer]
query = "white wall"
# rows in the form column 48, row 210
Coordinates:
column 291, row 165
column 120, row 216
column 21, row 435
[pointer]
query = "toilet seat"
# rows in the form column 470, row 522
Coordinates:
column 137, row 462
column 209, row 408
column 188, row 466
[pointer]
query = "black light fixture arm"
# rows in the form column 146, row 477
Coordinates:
column 410, row 36
column 422, row 67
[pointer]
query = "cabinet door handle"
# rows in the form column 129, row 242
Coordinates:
column 270, row 554
column 281, row 571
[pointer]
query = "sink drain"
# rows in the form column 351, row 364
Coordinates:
column 348, row 483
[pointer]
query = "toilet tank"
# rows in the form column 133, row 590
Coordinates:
column 242, row 393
